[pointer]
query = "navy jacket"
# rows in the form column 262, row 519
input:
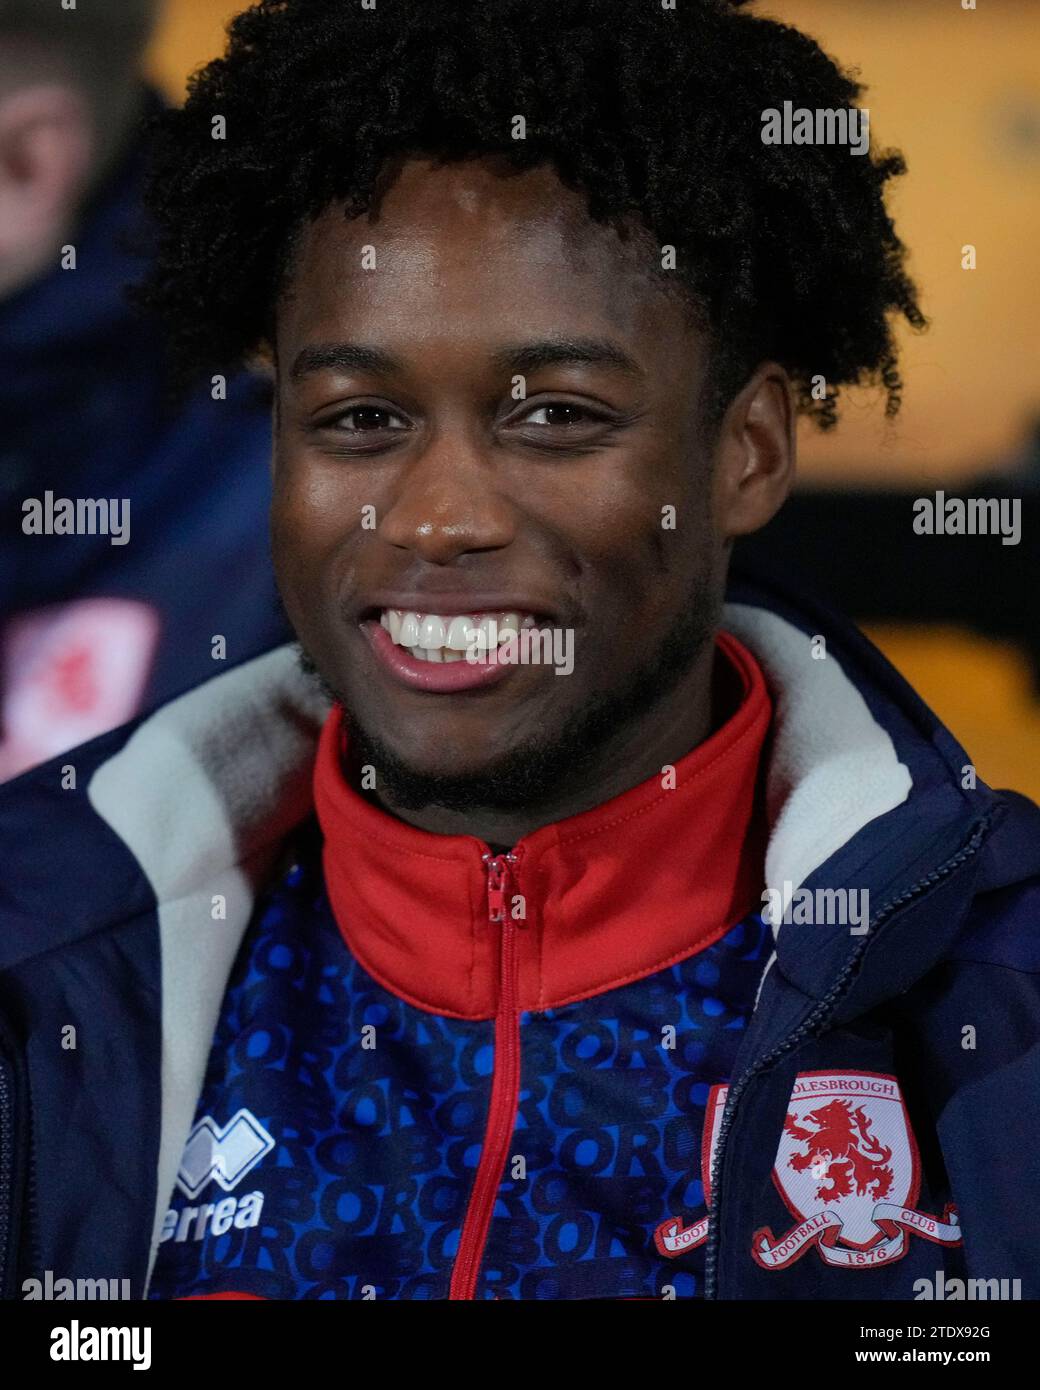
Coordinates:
column 876, row 1135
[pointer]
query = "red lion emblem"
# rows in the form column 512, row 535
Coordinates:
column 844, row 1149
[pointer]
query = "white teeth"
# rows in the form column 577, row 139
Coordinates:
column 432, row 637
column 495, row 628
column 481, row 634
column 409, row 634
column 458, row 639
column 508, row 626
column 431, row 633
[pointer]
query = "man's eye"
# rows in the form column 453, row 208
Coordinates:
column 365, row 419
column 561, row 413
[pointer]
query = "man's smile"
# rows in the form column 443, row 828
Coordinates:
column 444, row 653
column 447, row 643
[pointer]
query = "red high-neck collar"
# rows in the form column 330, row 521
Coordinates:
column 610, row 895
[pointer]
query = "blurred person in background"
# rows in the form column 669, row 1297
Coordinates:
column 134, row 529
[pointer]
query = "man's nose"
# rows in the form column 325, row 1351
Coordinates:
column 446, row 501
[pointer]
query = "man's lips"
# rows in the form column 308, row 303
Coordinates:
column 398, row 660
column 457, row 677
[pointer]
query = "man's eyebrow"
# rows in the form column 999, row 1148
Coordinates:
column 343, row 357
column 517, row 357
column 593, row 352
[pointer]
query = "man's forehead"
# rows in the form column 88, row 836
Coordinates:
column 472, row 210
column 486, row 235
column 488, row 188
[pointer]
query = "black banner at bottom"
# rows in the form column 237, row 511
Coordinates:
column 288, row 1338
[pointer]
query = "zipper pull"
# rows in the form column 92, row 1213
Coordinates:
column 500, row 876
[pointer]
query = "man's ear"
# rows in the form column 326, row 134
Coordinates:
column 755, row 453
column 46, row 148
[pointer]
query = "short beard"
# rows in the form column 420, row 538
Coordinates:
column 535, row 773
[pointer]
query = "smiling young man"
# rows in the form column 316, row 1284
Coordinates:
column 448, row 973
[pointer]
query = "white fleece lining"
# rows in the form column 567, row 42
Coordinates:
column 202, row 795
column 833, row 768
column 205, row 790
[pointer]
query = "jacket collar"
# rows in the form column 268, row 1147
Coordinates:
column 865, row 795
column 604, row 897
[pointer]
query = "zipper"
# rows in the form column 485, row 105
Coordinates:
column 17, row 1170
column 814, row 1023
column 505, row 1081
column 7, row 1194
column 33, row 1211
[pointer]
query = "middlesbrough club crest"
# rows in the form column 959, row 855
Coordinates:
column 847, row 1166
column 848, row 1169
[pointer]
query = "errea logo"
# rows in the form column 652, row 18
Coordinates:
column 213, row 1218
column 224, row 1155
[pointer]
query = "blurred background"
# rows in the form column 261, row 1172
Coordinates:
column 958, row 91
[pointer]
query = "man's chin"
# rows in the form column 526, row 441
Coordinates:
column 517, row 777
column 541, row 770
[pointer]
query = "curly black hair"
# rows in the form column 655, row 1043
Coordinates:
column 784, row 252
